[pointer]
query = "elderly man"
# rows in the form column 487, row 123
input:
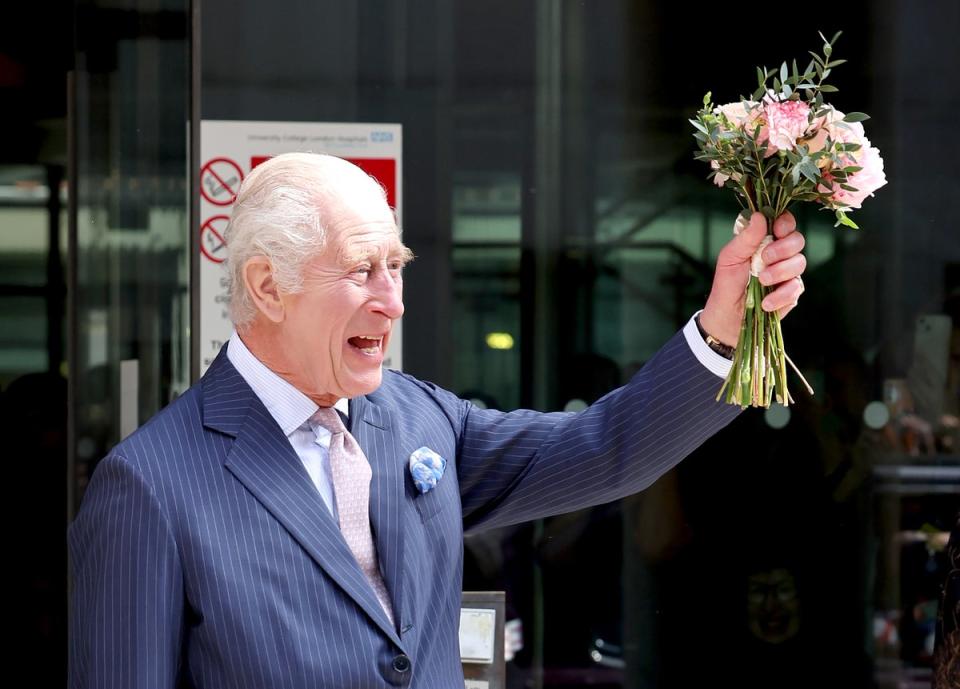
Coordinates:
column 296, row 518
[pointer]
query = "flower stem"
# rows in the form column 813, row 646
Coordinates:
column 758, row 373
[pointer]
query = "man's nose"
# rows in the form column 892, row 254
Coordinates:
column 389, row 295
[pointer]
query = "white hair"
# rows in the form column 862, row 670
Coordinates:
column 279, row 214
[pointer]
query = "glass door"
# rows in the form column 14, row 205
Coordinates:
column 130, row 211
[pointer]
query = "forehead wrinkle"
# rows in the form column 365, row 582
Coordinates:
column 357, row 248
column 374, row 225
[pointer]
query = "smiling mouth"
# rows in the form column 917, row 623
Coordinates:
column 368, row 344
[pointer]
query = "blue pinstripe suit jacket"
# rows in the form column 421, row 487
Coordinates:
column 203, row 556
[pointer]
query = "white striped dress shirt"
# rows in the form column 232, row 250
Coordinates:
column 291, row 409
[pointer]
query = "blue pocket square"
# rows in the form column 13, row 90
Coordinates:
column 426, row 468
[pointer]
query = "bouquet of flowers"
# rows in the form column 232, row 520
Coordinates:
column 782, row 145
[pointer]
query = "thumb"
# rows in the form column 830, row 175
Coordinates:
column 742, row 247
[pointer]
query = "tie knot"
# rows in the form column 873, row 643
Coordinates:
column 329, row 418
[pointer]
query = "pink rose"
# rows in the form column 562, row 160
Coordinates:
column 845, row 132
column 831, row 124
column 818, row 141
column 746, row 115
column 865, row 181
column 787, row 121
column 739, row 113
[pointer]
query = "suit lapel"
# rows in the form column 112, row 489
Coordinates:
column 262, row 459
column 371, row 424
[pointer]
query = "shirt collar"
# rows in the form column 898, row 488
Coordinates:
column 287, row 405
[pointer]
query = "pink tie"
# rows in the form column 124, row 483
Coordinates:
column 351, row 486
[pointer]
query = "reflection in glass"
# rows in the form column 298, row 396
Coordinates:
column 551, row 195
column 132, row 241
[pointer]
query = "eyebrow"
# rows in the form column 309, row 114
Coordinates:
column 371, row 250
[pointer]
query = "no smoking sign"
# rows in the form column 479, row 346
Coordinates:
column 220, row 181
column 212, row 245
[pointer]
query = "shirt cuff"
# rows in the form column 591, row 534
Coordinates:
column 717, row 364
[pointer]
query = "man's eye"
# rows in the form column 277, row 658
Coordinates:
column 362, row 270
column 395, row 266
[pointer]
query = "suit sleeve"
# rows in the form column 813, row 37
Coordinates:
column 525, row 465
column 127, row 602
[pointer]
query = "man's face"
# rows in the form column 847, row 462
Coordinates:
column 336, row 330
column 773, row 608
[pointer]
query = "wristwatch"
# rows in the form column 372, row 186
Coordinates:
column 726, row 351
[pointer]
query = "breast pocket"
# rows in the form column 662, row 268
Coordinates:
column 444, row 498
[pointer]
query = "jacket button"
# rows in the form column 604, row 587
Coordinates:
column 401, row 663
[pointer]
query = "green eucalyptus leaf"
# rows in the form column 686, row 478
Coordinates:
column 827, row 88
column 856, row 117
column 809, row 170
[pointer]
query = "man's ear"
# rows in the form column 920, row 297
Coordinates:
column 260, row 284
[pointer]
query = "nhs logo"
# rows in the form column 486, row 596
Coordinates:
column 381, row 137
